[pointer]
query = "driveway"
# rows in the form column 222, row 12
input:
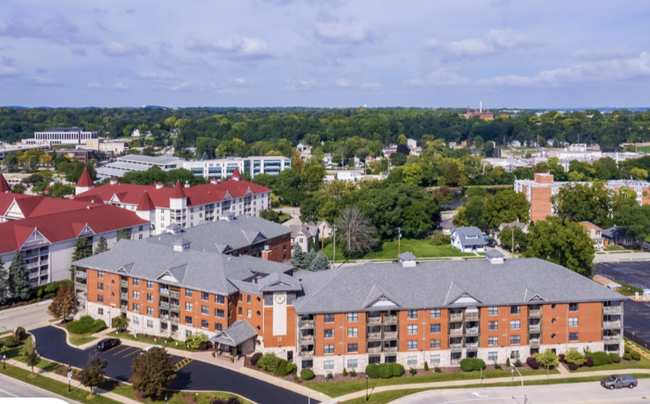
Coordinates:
column 28, row 317
column 195, row 375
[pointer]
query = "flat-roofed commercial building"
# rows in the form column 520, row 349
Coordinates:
column 73, row 135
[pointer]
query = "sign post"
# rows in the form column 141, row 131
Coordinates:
column 69, row 377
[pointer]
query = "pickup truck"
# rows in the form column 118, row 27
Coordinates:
column 618, row 382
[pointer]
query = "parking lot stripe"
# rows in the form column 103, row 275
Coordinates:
column 125, row 349
column 110, row 349
column 131, row 353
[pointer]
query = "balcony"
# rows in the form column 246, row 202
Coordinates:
column 31, row 265
column 163, row 317
column 608, row 325
column 79, row 285
column 82, row 295
column 164, row 305
column 174, row 307
column 534, row 328
column 124, row 283
column 535, row 313
column 613, row 310
column 374, row 336
column 374, row 320
column 175, row 295
column 390, row 349
column 390, row 335
column 456, row 347
column 80, row 274
column 456, row 317
column 306, row 354
column 390, row 320
column 534, row 343
column 456, row 332
column 473, row 316
column 164, row 292
column 306, row 339
column 374, row 350
column 472, row 346
column 612, row 339
column 306, row 323
column 124, row 296
column 471, row 331
column 124, row 308
column 174, row 320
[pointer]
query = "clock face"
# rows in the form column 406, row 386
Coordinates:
column 279, row 299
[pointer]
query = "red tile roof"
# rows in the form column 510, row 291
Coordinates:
column 66, row 225
column 34, row 205
column 196, row 195
column 85, row 180
column 145, row 203
column 178, row 192
column 236, row 175
column 4, row 187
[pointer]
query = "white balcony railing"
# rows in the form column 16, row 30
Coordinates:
column 390, row 349
column 456, row 332
column 456, row 347
column 390, row 320
column 473, row 316
column 608, row 325
column 374, row 350
column 164, row 292
column 306, row 339
column 80, row 274
column 306, row 323
column 374, row 320
column 390, row 335
column 307, row 354
column 534, row 343
column 612, row 310
column 456, row 317
column 471, row 331
column 535, row 313
column 612, row 339
column 374, row 336
column 534, row 328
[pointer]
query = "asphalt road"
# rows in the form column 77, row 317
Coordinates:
column 28, row 317
column 195, row 375
column 12, row 388
column 572, row 393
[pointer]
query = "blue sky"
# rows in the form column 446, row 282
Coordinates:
column 325, row 53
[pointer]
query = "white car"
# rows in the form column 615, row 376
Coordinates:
column 145, row 350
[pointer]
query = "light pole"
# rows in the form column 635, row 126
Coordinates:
column 522, row 382
column 334, row 248
column 69, row 377
column 366, row 387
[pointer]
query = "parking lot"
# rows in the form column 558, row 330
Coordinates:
column 190, row 374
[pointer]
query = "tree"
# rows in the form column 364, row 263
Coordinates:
column 397, row 159
column 298, row 257
column 319, row 263
column 547, row 359
column 102, row 245
column 506, row 206
column 120, row 323
column 19, row 285
column 625, row 197
column 562, row 242
column 59, row 190
column 45, row 159
column 92, row 375
column 123, row 234
column 635, row 220
column 152, row 371
column 506, row 235
column 18, row 188
column 4, row 283
column 639, row 173
column 574, row 356
column 581, row 202
column 33, row 358
column 355, row 231
column 81, row 250
column 64, row 302
column 460, row 218
column 270, row 214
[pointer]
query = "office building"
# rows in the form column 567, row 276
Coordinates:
column 62, row 136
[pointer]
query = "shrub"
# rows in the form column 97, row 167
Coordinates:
column 437, row 370
column 413, row 371
column 628, row 349
column 256, row 356
column 561, row 356
column 307, row 374
column 437, row 238
column 590, row 361
column 635, row 356
column 397, row 370
column 627, row 356
column 231, row 400
column 573, row 366
column 345, row 372
column 497, row 366
column 385, row 371
column 205, row 345
column 507, row 362
column 329, row 376
column 268, row 362
column 194, row 341
column 21, row 333
column 285, row 368
column 573, row 356
column 601, row 358
column 169, row 340
column 426, row 366
column 372, row 370
column 471, row 364
column 11, row 341
column 85, row 325
column 532, row 363
column 616, row 358
column 518, row 363
column 353, row 373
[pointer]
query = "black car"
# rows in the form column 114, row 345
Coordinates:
column 491, row 242
column 107, row 343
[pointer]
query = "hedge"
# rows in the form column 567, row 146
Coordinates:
column 601, row 358
column 285, row 368
column 307, row 374
column 616, row 358
column 532, row 363
column 85, row 325
column 635, row 356
column 627, row 356
column 372, row 370
column 471, row 364
column 590, row 361
column 256, row 356
column 49, row 289
column 10, row 341
column 573, row 366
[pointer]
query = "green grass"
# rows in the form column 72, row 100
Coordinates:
column 620, row 252
column 6, row 332
column 388, row 396
column 336, row 389
column 640, row 364
column 614, row 248
column 419, row 248
column 77, row 340
column 175, row 397
column 77, row 394
column 645, row 149
column 159, row 341
column 20, row 352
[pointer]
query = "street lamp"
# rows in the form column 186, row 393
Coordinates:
column 522, row 381
column 366, row 387
column 4, row 361
column 165, row 398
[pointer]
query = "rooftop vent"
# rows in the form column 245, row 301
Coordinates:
column 187, row 184
column 87, row 206
column 214, row 181
column 494, row 257
column 159, row 185
column 181, row 245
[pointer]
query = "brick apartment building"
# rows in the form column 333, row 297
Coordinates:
column 408, row 312
column 540, row 190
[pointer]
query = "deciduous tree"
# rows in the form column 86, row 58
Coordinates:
column 355, row 231
column 120, row 323
column 508, row 233
column 152, row 372
column 92, row 375
column 635, row 220
column 33, row 358
column 63, row 303
column 581, row 202
column 506, row 206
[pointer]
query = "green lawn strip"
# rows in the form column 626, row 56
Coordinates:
column 6, row 332
column 176, row 397
column 640, row 364
column 158, row 341
column 419, row 248
column 20, row 352
column 614, row 248
column 620, row 252
column 336, row 389
column 54, row 320
column 637, row 346
column 77, row 394
column 388, row 396
column 77, row 340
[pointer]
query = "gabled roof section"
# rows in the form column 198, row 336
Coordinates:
column 377, row 294
column 251, row 236
column 145, row 203
column 85, row 180
column 529, row 295
column 179, row 272
column 178, row 192
column 458, row 294
column 81, row 228
column 279, row 282
column 222, row 247
column 4, row 186
column 238, row 333
column 29, row 236
column 236, row 175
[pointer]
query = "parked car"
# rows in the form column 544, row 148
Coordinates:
column 107, row 343
column 491, row 242
column 145, row 350
column 618, row 382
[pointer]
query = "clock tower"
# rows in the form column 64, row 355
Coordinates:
column 280, row 325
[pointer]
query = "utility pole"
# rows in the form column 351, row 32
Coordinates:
column 399, row 236
column 513, row 242
column 334, row 249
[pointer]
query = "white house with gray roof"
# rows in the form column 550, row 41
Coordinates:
column 468, row 239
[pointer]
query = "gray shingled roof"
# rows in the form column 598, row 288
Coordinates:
column 198, row 270
column 464, row 232
column 218, row 236
column 238, row 333
column 437, row 284
column 614, row 232
column 493, row 254
column 279, row 282
column 407, row 256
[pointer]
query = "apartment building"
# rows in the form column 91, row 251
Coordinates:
column 410, row 312
column 540, row 190
column 170, row 208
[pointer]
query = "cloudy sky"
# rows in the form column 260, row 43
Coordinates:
column 330, row 53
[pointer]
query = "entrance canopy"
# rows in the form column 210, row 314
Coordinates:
column 235, row 335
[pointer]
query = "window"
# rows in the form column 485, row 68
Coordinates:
column 353, row 348
column 434, row 359
column 100, row 299
column 493, row 356
column 149, row 297
column 493, row 341
column 435, row 313
column 136, row 294
column 328, row 318
column 573, row 306
column 515, row 324
column 241, row 297
column 553, row 305
column 329, row 333
column 100, row 286
column 353, row 363
column 328, row 365
column 353, row 317
column 493, row 311
column 411, row 345
column 219, row 299
column 239, row 311
column 515, row 309
column 149, row 285
column 219, row 313
column 139, row 236
column 249, row 313
column 412, row 329
column 552, row 336
column 140, row 228
column 136, row 320
column 100, row 311
column 218, row 327
column 136, row 282
column 248, row 299
column 514, row 355
column 515, row 340
column 205, row 310
column 188, row 306
column 412, row 360
column 435, row 328
column 149, row 323
column 573, row 337
column 553, row 320
column 573, row 321
column 205, row 296
column 435, row 344
column 188, row 293
column 136, row 307
column 412, row 314
column 149, row 311
column 188, row 320
column 205, row 324
column 328, row 349
column 353, row 332
column 100, row 274
column 493, row 325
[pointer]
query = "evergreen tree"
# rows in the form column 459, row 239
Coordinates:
column 4, row 283
column 82, row 249
column 102, row 245
column 123, row 234
column 309, row 258
column 298, row 258
column 19, row 286
column 320, row 263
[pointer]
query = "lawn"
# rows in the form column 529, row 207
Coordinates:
column 640, row 364
column 20, row 352
column 176, row 397
column 77, row 340
column 645, row 149
column 157, row 341
column 419, row 248
column 614, row 248
column 336, row 389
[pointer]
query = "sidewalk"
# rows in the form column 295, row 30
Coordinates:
column 486, row 382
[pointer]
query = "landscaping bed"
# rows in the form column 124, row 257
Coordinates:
column 149, row 339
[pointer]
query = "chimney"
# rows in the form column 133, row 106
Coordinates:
column 266, row 255
column 113, row 181
column 214, row 181
column 159, row 185
column 480, row 107
column 187, row 184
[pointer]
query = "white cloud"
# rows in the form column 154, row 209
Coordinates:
column 306, row 85
column 118, row 50
column 119, row 86
column 495, row 41
column 350, row 33
column 604, row 54
column 440, row 77
column 7, row 67
column 234, row 45
column 56, row 29
column 95, row 84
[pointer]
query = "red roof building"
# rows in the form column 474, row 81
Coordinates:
column 85, row 183
column 4, row 186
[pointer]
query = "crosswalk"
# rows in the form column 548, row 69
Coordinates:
column 182, row 363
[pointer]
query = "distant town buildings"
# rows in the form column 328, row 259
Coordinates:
column 21, row 147
column 479, row 113
column 110, row 147
column 64, row 136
